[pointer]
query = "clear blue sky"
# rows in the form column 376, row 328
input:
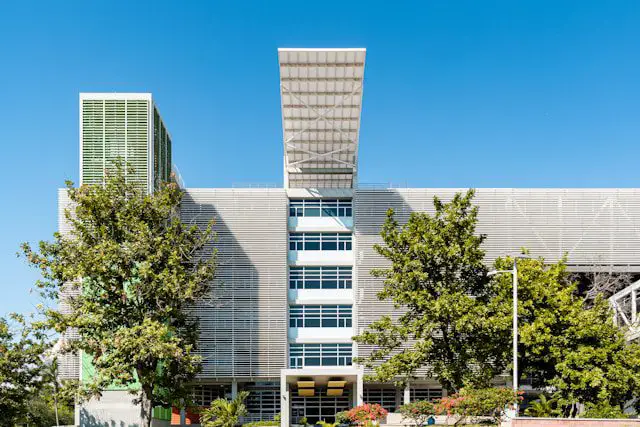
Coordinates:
column 473, row 93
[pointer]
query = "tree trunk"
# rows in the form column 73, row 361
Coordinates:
column 146, row 410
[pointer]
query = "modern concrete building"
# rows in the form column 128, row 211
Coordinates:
column 294, row 282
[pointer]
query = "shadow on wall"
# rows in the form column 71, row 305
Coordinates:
column 243, row 322
column 88, row 420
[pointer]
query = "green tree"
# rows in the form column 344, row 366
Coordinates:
column 543, row 407
column 437, row 278
column 565, row 342
column 488, row 402
column 418, row 412
column 139, row 269
column 225, row 413
column 21, row 363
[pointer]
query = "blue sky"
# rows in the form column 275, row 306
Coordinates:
column 457, row 93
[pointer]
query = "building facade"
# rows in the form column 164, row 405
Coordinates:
column 293, row 283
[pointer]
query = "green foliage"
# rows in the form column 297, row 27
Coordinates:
column 326, row 424
column 225, row 413
column 41, row 409
column 543, row 407
column 141, row 269
column 565, row 344
column 417, row 412
column 342, row 417
column 367, row 414
column 274, row 422
column 475, row 403
column 22, row 348
column 439, row 281
column 304, row 421
column 603, row 410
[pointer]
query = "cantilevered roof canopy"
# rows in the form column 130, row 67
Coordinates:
column 321, row 95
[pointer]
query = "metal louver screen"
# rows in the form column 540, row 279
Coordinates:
column 243, row 325
column 114, row 129
column 593, row 226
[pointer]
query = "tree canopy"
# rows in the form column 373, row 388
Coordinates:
column 567, row 343
column 137, row 270
column 21, row 365
column 437, row 278
column 455, row 323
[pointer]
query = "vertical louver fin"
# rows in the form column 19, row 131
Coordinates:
column 127, row 126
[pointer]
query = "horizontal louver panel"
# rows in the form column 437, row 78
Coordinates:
column 594, row 226
column 244, row 325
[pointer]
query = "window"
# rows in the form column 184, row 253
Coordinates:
column 203, row 395
column 320, row 316
column 386, row 397
column 301, row 355
column 320, row 241
column 320, row 207
column 425, row 394
column 263, row 402
column 320, row 277
column 319, row 407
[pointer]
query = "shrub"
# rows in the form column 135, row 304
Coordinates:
column 543, row 407
column 603, row 410
column 273, row 422
column 367, row 414
column 343, row 417
column 483, row 402
column 224, row 413
column 418, row 412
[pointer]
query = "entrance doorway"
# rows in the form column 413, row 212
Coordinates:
column 319, row 407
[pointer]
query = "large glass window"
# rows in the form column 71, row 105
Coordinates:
column 301, row 355
column 321, row 207
column 320, row 241
column 263, row 402
column 386, row 397
column 320, row 316
column 320, row 277
column 419, row 393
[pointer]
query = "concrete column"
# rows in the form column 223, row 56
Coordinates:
column 359, row 390
column 399, row 397
column 406, row 395
column 285, row 407
column 183, row 416
column 234, row 389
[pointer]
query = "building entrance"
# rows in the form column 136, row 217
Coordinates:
column 319, row 407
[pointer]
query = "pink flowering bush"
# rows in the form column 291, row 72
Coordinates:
column 367, row 414
column 479, row 403
column 417, row 412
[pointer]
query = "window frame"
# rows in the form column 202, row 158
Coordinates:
column 322, row 241
column 326, row 208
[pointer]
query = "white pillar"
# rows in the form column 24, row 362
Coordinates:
column 234, row 389
column 399, row 397
column 359, row 389
column 406, row 395
column 285, row 407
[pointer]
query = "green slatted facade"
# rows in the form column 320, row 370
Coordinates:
column 120, row 128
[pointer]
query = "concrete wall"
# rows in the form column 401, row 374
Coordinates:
column 113, row 408
column 564, row 422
